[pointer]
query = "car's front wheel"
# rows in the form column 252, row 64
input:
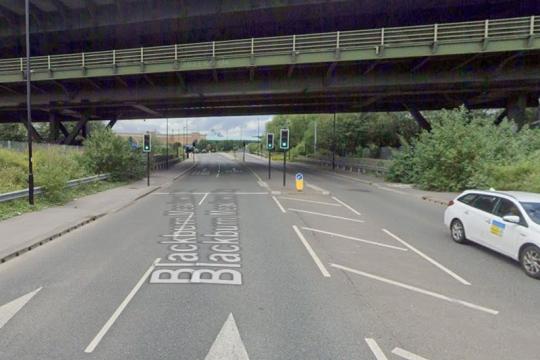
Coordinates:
column 530, row 261
column 457, row 230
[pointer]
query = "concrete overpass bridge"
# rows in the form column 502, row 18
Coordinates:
column 482, row 63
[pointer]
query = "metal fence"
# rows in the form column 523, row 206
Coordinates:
column 23, row 146
column 361, row 166
column 377, row 39
column 20, row 194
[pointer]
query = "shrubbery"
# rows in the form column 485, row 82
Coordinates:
column 107, row 153
column 466, row 151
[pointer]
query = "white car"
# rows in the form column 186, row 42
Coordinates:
column 507, row 222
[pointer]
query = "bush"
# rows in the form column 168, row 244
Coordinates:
column 13, row 170
column 465, row 151
column 54, row 168
column 107, row 153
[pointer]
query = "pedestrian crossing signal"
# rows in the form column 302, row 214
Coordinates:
column 147, row 147
column 270, row 141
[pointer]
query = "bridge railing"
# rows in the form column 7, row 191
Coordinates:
column 377, row 39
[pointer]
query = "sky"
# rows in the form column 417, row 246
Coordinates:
column 216, row 128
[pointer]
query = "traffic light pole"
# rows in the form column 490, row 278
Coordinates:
column 269, row 164
column 148, row 169
column 284, row 166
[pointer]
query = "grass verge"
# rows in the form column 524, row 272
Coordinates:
column 17, row 207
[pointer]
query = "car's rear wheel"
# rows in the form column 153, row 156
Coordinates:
column 457, row 230
column 530, row 261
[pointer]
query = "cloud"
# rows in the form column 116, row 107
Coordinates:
column 232, row 127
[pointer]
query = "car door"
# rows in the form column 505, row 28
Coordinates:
column 480, row 215
column 503, row 236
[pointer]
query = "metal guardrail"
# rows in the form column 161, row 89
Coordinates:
column 14, row 195
column 483, row 32
column 353, row 165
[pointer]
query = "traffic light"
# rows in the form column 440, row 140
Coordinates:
column 284, row 139
column 147, row 147
column 270, row 141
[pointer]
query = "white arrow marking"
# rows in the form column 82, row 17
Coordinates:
column 7, row 311
column 228, row 344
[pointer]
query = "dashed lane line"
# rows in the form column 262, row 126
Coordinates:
column 204, row 198
column 95, row 342
column 430, row 260
column 417, row 289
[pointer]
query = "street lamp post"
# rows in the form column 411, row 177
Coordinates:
column 334, row 145
column 28, row 105
column 167, row 145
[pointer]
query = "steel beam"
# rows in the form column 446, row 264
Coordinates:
column 419, row 117
column 80, row 124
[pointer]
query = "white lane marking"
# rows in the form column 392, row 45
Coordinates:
column 279, row 205
column 311, row 252
column 204, row 198
column 198, row 264
column 260, row 181
column 8, row 310
column 228, row 344
column 440, row 266
column 95, row 342
column 214, row 193
column 375, row 349
column 309, row 201
column 347, row 206
column 418, row 290
column 325, row 215
column 407, row 354
column 389, row 189
column 316, row 188
column 355, row 239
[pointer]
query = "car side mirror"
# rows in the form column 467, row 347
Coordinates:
column 512, row 219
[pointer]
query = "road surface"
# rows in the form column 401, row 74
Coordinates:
column 226, row 264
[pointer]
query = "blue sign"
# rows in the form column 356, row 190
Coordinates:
column 299, row 176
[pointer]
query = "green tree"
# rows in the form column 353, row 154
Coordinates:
column 13, row 132
column 106, row 152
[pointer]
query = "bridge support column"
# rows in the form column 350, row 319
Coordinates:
column 80, row 124
column 515, row 109
column 54, row 128
column 420, row 119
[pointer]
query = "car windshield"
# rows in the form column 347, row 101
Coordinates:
column 533, row 210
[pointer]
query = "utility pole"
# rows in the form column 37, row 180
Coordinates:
column 334, row 145
column 28, row 105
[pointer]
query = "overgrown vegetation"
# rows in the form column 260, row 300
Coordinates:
column 104, row 152
column 466, row 150
column 360, row 135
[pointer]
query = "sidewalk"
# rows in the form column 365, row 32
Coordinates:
column 18, row 237
column 441, row 198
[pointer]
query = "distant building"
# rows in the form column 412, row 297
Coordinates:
column 173, row 138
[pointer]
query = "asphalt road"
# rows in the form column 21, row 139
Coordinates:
column 226, row 264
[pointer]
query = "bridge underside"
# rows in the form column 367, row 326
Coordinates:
column 64, row 26
column 476, row 81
